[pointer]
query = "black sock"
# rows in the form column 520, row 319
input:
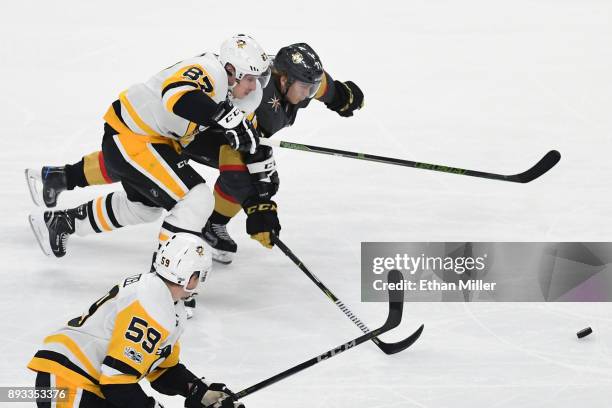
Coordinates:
column 217, row 218
column 75, row 175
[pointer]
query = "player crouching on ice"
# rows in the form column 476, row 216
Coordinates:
column 132, row 333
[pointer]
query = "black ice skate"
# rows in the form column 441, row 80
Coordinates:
column 53, row 181
column 53, row 229
column 222, row 244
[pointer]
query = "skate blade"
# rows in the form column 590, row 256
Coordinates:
column 223, row 257
column 39, row 228
column 33, row 179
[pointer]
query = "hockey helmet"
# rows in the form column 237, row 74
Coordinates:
column 299, row 62
column 247, row 57
column 181, row 256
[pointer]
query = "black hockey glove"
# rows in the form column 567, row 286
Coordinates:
column 215, row 395
column 264, row 176
column 239, row 132
column 347, row 98
column 262, row 221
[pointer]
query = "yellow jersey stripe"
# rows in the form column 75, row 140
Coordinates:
column 135, row 117
column 74, row 349
column 139, row 156
column 174, row 98
column 53, row 367
column 71, row 390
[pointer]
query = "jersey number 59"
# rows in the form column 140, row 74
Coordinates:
column 136, row 332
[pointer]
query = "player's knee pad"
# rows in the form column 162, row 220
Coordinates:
column 236, row 184
column 192, row 211
column 132, row 212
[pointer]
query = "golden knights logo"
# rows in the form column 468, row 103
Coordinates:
column 297, row 58
column 275, row 103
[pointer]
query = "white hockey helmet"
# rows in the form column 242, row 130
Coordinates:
column 247, row 57
column 181, row 256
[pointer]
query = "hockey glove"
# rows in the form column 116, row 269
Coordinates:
column 239, row 132
column 215, row 395
column 347, row 99
column 264, row 176
column 262, row 221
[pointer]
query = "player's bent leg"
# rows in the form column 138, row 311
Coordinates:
column 112, row 211
column 231, row 188
column 189, row 213
column 47, row 184
column 106, row 213
column 215, row 231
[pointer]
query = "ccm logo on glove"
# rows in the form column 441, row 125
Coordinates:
column 261, row 207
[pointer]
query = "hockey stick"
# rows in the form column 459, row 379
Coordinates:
column 396, row 304
column 387, row 348
column 546, row 163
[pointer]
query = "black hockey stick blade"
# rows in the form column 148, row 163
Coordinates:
column 394, row 318
column 393, row 348
column 396, row 300
column 546, row 163
column 396, row 305
column 387, row 348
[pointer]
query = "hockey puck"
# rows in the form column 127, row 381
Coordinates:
column 584, row 332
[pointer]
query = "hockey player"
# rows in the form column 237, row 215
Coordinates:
column 131, row 333
column 144, row 133
column 247, row 181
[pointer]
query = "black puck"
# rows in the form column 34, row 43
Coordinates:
column 584, row 332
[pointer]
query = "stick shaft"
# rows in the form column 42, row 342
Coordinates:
column 545, row 164
column 362, row 326
column 309, row 363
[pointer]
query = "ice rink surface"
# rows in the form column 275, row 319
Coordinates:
column 486, row 85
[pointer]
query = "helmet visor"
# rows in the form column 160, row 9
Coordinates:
column 192, row 284
column 309, row 88
column 264, row 78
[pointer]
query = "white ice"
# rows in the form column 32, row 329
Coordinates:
column 490, row 85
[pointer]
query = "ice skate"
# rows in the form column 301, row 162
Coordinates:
column 46, row 185
column 53, row 228
column 222, row 244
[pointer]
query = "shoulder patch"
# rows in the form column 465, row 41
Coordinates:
column 132, row 354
